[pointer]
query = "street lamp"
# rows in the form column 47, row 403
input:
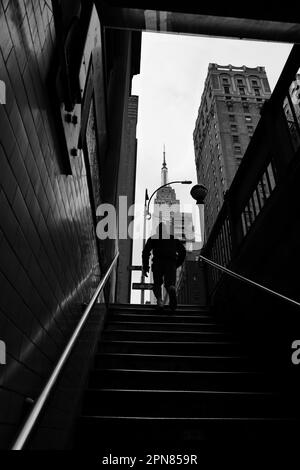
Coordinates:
column 148, row 215
column 144, row 243
column 199, row 192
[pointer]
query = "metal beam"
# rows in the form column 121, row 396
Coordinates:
column 202, row 21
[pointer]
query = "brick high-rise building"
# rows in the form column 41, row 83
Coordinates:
column 227, row 117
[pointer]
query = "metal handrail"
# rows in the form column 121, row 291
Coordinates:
column 249, row 281
column 35, row 412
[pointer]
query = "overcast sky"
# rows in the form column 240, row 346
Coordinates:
column 169, row 86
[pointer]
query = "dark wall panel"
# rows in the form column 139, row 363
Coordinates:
column 48, row 255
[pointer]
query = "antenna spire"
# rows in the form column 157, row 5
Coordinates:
column 164, row 157
column 164, row 170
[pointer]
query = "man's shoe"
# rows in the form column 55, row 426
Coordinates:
column 172, row 297
column 160, row 303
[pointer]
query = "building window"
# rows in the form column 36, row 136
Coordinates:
column 250, row 129
column 248, row 118
column 242, row 90
column 226, row 89
column 225, row 80
column 235, row 139
column 237, row 149
column 256, row 91
column 215, row 81
column 231, row 117
column 239, row 81
column 233, row 128
column 254, row 83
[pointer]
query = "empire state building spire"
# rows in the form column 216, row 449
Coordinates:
column 164, row 170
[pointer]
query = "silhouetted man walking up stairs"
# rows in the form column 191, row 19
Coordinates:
column 168, row 254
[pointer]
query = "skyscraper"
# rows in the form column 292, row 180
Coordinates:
column 167, row 210
column 228, row 114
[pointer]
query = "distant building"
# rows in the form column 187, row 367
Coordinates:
column 228, row 114
column 190, row 281
column 167, row 210
column 127, row 176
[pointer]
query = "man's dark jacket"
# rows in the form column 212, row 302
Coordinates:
column 163, row 250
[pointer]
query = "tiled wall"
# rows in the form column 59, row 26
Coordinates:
column 48, row 256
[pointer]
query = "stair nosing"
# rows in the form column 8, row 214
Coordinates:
column 119, row 322
column 191, row 418
column 167, row 342
column 167, row 371
column 173, row 356
column 175, row 391
column 159, row 315
column 168, row 332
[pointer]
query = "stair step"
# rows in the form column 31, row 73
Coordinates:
column 178, row 380
column 162, row 326
column 153, row 307
column 145, row 429
column 150, row 335
column 163, row 376
column 171, row 347
column 120, row 402
column 161, row 317
column 174, row 362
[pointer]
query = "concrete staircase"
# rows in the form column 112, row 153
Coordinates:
column 179, row 377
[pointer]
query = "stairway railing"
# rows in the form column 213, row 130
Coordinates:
column 40, row 402
column 249, row 281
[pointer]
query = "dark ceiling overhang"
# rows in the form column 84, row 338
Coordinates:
column 203, row 18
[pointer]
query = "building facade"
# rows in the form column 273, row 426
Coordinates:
column 191, row 289
column 126, row 183
column 167, row 210
column 228, row 114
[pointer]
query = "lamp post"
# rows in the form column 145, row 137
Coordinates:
column 147, row 215
column 199, row 192
column 144, row 243
column 167, row 184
